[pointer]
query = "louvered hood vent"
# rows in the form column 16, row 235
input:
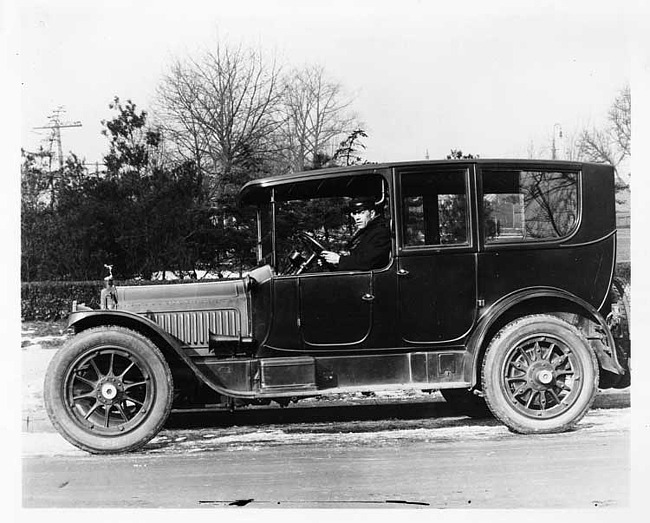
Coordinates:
column 191, row 311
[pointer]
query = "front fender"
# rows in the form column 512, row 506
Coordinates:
column 171, row 346
column 82, row 320
column 536, row 298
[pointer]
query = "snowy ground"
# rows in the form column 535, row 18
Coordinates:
column 330, row 434
column 36, row 353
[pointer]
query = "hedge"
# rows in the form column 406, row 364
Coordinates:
column 51, row 300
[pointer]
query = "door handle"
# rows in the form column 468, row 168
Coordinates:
column 367, row 297
column 402, row 272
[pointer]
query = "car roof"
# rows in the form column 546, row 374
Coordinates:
column 250, row 191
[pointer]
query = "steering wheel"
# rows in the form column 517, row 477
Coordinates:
column 316, row 247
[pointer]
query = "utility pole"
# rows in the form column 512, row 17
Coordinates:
column 553, row 149
column 56, row 125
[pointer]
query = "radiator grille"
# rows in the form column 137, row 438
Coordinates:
column 194, row 327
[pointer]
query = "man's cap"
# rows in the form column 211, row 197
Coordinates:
column 362, row 203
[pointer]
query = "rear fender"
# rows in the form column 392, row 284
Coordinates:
column 532, row 301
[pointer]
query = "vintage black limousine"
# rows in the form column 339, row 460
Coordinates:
column 498, row 292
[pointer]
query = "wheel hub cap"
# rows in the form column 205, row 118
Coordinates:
column 540, row 375
column 545, row 377
column 109, row 391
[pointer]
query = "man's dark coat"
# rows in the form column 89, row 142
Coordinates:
column 369, row 248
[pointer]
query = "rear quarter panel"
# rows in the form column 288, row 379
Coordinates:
column 581, row 264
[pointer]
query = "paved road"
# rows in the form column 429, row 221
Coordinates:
column 442, row 462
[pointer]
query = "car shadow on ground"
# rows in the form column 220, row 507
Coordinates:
column 339, row 411
column 254, row 416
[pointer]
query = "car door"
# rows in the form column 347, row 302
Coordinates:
column 335, row 309
column 436, row 263
column 321, row 311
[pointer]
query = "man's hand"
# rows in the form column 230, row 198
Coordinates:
column 330, row 257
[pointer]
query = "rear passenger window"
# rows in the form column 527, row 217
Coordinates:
column 434, row 208
column 523, row 206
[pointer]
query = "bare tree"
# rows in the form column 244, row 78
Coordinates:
column 611, row 144
column 221, row 111
column 620, row 118
column 315, row 114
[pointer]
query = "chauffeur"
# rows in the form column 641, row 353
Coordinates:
column 369, row 248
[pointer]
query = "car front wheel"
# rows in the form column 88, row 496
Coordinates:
column 108, row 390
column 539, row 375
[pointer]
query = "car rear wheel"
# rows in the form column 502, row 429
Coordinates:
column 108, row 390
column 539, row 375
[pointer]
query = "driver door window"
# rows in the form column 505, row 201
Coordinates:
column 324, row 219
column 320, row 209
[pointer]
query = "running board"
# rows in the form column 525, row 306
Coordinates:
column 307, row 375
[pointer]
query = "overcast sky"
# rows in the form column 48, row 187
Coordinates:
column 489, row 78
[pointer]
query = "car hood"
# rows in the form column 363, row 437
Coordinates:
column 179, row 297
